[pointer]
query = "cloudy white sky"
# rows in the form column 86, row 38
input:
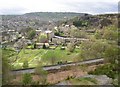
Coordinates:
column 86, row 6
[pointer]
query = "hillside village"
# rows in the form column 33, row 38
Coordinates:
column 52, row 30
column 29, row 42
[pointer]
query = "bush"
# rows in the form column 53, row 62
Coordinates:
column 27, row 79
column 57, row 33
column 59, row 62
column 107, row 69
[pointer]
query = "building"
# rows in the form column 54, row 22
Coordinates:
column 40, row 45
column 50, row 34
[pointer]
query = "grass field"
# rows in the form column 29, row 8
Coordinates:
column 45, row 56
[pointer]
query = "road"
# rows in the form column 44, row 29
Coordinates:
column 81, row 39
column 32, row 70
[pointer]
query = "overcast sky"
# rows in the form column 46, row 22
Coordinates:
column 86, row 6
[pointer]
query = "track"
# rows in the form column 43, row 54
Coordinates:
column 52, row 67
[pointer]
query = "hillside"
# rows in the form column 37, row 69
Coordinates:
column 94, row 21
column 35, row 19
column 53, row 16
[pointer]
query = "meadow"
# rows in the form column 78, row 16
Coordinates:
column 43, row 56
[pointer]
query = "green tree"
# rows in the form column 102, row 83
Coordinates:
column 57, row 33
column 42, row 74
column 111, row 54
column 43, row 38
column 93, row 49
column 27, row 79
column 6, row 66
column 30, row 32
column 79, row 23
column 108, row 33
column 111, row 33
column 5, row 70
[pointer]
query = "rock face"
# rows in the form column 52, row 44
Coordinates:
column 101, row 80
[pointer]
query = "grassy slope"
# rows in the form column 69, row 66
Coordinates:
column 35, row 55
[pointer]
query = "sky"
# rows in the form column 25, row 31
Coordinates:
column 79, row 6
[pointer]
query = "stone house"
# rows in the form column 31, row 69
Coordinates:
column 40, row 45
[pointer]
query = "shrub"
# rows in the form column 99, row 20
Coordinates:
column 27, row 79
column 107, row 69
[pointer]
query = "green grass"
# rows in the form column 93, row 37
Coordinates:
column 58, row 55
column 8, row 53
column 28, row 54
column 33, row 56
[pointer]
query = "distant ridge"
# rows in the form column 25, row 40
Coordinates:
column 53, row 16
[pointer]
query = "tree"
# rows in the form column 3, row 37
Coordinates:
column 41, row 73
column 43, row 38
column 27, row 79
column 5, row 70
column 108, row 33
column 80, row 23
column 77, row 23
column 111, row 33
column 111, row 54
column 6, row 67
column 31, row 34
column 93, row 49
column 25, row 64
column 70, row 47
column 75, row 32
column 98, row 34
column 57, row 33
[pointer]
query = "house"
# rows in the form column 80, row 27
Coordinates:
column 38, row 32
column 50, row 34
column 17, row 46
column 58, row 40
column 40, row 45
